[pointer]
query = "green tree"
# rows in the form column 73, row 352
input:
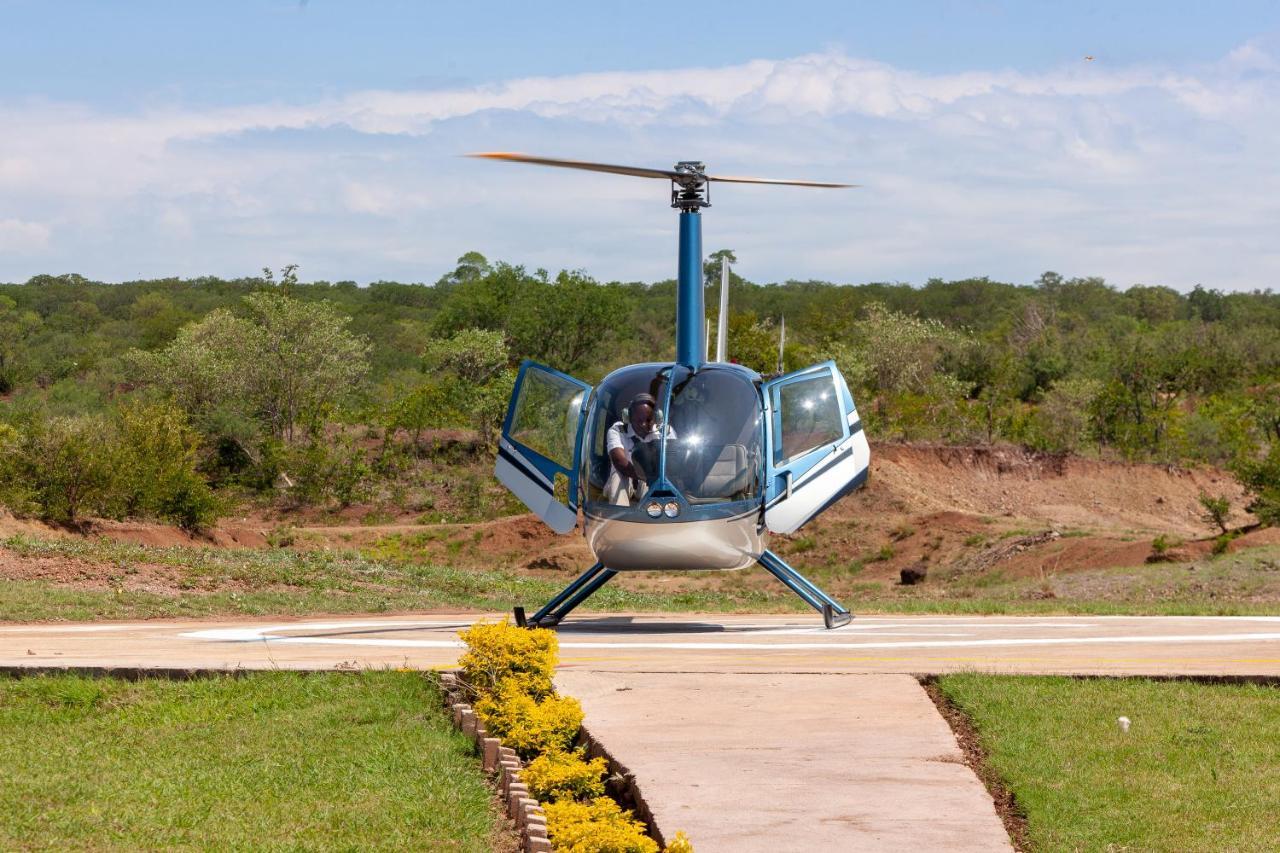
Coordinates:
column 711, row 269
column 70, row 466
column 284, row 365
column 157, row 477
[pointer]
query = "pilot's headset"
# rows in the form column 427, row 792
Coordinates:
column 644, row 397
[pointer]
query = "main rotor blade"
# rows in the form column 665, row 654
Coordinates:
column 666, row 174
column 725, row 179
column 576, row 164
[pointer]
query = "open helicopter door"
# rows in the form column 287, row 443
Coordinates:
column 816, row 449
column 539, row 450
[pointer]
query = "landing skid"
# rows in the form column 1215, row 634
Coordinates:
column 833, row 615
column 570, row 597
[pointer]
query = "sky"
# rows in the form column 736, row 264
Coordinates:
column 1136, row 141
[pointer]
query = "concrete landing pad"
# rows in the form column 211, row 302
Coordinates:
column 1086, row 645
column 780, row 762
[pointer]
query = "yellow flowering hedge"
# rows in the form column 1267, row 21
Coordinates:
column 598, row 826
column 498, row 652
column 679, row 844
column 510, row 669
column 530, row 726
column 555, row 776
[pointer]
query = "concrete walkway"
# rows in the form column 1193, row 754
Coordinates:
column 780, row 762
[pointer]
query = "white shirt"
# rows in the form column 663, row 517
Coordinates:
column 621, row 435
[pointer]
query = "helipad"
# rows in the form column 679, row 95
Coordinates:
column 682, row 643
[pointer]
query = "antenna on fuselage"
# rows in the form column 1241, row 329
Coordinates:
column 722, row 326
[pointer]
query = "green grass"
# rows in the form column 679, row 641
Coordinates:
column 1196, row 771
column 283, row 582
column 280, row 760
column 389, row 577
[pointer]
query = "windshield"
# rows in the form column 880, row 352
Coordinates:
column 610, row 410
column 714, row 445
column 710, row 428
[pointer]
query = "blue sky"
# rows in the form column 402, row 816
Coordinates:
column 148, row 138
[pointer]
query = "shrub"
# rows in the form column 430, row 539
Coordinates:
column 557, row 776
column 69, row 466
column 1262, row 479
column 527, row 725
column 328, row 468
column 499, row 652
column 600, row 826
column 14, row 493
column 679, row 844
column 1215, row 510
column 157, row 476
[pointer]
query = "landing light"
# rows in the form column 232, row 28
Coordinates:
column 654, row 509
column 672, row 509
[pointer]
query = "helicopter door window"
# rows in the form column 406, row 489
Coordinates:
column 545, row 418
column 809, row 415
column 537, row 454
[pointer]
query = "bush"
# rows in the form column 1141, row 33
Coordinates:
column 68, row 465
column 140, row 462
column 600, row 826
column 328, row 469
column 1222, row 543
column 158, row 477
column 557, row 776
column 527, row 725
column 1215, row 510
column 1262, row 479
column 14, row 493
column 679, row 844
column 499, row 653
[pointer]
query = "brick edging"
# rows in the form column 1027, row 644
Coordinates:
column 528, row 814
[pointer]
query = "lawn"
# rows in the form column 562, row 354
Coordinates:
column 1198, row 769
column 267, row 761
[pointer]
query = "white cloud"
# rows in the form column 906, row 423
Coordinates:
column 1134, row 173
column 23, row 238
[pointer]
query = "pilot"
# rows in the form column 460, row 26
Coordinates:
column 626, row 481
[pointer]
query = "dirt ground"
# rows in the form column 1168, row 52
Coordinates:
column 949, row 511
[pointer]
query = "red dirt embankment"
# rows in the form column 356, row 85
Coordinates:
column 968, row 509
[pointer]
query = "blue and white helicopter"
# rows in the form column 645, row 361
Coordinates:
column 684, row 465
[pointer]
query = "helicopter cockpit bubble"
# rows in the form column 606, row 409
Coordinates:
column 709, row 445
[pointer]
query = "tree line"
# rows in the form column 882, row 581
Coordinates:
column 328, row 386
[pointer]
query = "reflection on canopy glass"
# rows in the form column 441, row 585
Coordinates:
column 715, row 454
column 546, row 416
column 809, row 416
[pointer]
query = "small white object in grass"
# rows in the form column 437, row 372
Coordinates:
column 1124, row 723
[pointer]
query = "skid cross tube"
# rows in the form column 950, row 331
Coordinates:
column 833, row 615
column 571, row 596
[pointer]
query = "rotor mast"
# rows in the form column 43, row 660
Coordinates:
column 690, row 193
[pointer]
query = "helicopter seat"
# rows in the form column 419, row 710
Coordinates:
column 728, row 476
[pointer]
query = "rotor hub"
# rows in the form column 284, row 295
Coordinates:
column 690, row 190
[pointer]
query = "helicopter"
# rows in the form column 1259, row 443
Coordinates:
column 714, row 456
